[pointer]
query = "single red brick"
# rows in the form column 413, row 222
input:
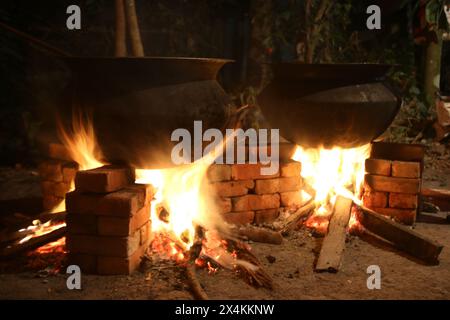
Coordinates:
column 232, row 188
column 122, row 203
column 146, row 192
column 57, row 189
column 291, row 169
column 145, row 231
column 392, row 184
column 249, row 172
column 81, row 224
column 405, row 169
column 105, row 179
column 266, row 216
column 223, row 205
column 103, row 246
column 256, row 202
column 239, row 218
column 117, row 266
column 378, row 166
column 69, row 172
column 278, row 185
column 375, row 199
column 51, row 170
column 405, row 216
column 403, row 201
column 291, row 199
column 219, row 172
column 86, row 262
column 117, row 226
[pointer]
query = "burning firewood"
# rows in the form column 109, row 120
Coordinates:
column 250, row 266
column 334, row 242
column 400, row 236
column 28, row 226
column 33, row 243
column 293, row 220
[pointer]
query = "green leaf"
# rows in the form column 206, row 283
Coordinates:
column 433, row 11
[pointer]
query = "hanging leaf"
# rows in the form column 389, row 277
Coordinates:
column 433, row 11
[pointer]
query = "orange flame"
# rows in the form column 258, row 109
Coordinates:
column 81, row 143
column 82, row 146
column 332, row 172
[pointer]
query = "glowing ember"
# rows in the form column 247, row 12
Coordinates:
column 331, row 172
column 58, row 246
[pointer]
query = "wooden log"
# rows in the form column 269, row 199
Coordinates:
column 293, row 220
column 33, row 243
column 197, row 291
column 260, row 235
column 439, row 197
column 334, row 242
column 436, row 218
column 7, row 235
column 402, row 237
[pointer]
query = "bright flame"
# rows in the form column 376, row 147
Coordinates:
column 332, row 172
column 181, row 202
column 83, row 148
column 82, row 143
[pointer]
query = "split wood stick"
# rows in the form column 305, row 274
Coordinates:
column 293, row 220
column 8, row 236
column 260, row 235
column 120, row 40
column 436, row 218
column 11, row 236
column 334, row 242
column 133, row 28
column 401, row 236
column 197, row 290
column 439, row 197
column 34, row 243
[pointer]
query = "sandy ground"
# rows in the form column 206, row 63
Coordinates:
column 292, row 270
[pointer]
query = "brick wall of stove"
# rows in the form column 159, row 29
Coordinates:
column 245, row 196
column 108, row 227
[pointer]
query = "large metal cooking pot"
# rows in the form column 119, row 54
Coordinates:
column 136, row 103
column 345, row 105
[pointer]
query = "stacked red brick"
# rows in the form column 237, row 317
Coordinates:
column 246, row 196
column 392, row 187
column 57, row 176
column 108, row 221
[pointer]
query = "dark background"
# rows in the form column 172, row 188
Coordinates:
column 252, row 32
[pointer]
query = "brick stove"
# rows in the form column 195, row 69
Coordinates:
column 393, row 180
column 108, row 226
column 108, row 215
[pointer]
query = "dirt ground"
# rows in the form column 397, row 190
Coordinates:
column 292, row 270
